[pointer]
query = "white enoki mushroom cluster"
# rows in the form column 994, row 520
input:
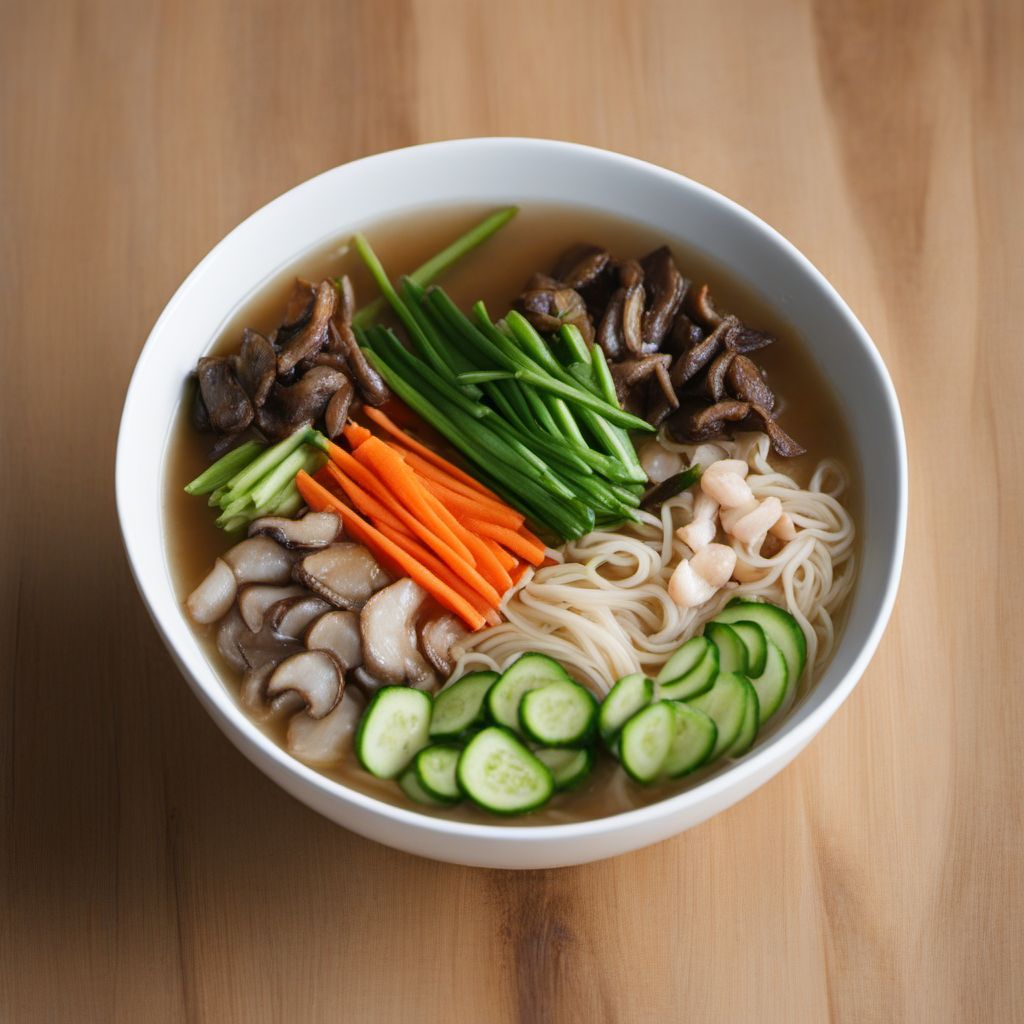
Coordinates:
column 605, row 611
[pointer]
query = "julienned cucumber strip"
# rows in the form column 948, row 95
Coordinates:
column 224, row 468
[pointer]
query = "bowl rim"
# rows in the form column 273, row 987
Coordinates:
column 233, row 721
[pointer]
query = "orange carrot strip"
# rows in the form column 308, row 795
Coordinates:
column 355, row 434
column 403, row 483
column 461, row 505
column 434, row 473
column 347, row 467
column 319, row 498
column 519, row 572
column 532, row 538
column 488, row 565
column 508, row 562
column 436, row 566
column 364, row 502
column 515, row 542
column 423, row 451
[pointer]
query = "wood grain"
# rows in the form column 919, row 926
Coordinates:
column 150, row 873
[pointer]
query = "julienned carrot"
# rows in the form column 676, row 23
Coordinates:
column 345, row 467
column 363, row 501
column 422, row 450
column 508, row 561
column 461, row 505
column 355, row 434
column 402, row 482
column 531, row 537
column 519, row 572
column 317, row 497
column 515, row 542
column 427, row 470
column 436, row 566
column 488, row 566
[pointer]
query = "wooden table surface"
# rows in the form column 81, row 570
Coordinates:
column 150, row 873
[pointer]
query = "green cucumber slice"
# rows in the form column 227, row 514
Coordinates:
column 732, row 652
column 698, row 680
column 393, row 730
column 460, row 706
column 646, row 740
column 500, row 775
column 683, row 661
column 755, row 642
column 726, row 704
column 621, row 703
column 528, row 672
column 409, row 783
column 779, row 626
column 772, row 685
column 694, row 739
column 561, row 714
column 568, row 767
column 435, row 769
column 748, row 730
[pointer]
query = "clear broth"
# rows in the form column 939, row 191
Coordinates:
column 495, row 273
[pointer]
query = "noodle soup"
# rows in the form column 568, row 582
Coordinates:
column 602, row 609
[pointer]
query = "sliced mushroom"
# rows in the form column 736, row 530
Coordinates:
column 336, row 412
column 312, row 336
column 299, row 308
column 699, row 306
column 367, row 684
column 665, row 288
column 325, row 741
column 548, row 309
column 748, row 339
column 256, row 600
column 313, row 531
column 338, row 632
column 782, row 443
column 632, row 318
column 304, row 402
column 609, row 330
column 291, row 618
column 745, row 382
column 437, row 638
column 199, row 415
column 259, row 560
column 370, row 383
column 580, row 265
column 315, row 676
column 683, row 336
column 345, row 310
column 252, row 694
column 230, row 632
column 255, row 366
column 227, row 405
column 213, row 598
column 714, row 382
column 691, row 362
column 345, row 574
column 704, row 423
column 628, row 373
column 388, row 625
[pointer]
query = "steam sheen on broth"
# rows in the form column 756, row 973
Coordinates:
column 495, row 273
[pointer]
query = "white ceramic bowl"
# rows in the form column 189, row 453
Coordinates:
column 499, row 171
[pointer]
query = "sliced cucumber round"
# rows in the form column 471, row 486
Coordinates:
column 685, row 659
column 748, row 730
column 460, row 706
column 646, row 740
column 409, row 783
column 694, row 739
column 779, row 626
column 755, row 642
column 772, row 685
column 394, row 729
column 732, row 653
column 435, row 769
column 528, row 672
column 698, row 680
column 500, row 775
column 561, row 714
column 621, row 703
column 726, row 704
column 568, row 767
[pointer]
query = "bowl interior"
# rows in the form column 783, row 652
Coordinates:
column 499, row 171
